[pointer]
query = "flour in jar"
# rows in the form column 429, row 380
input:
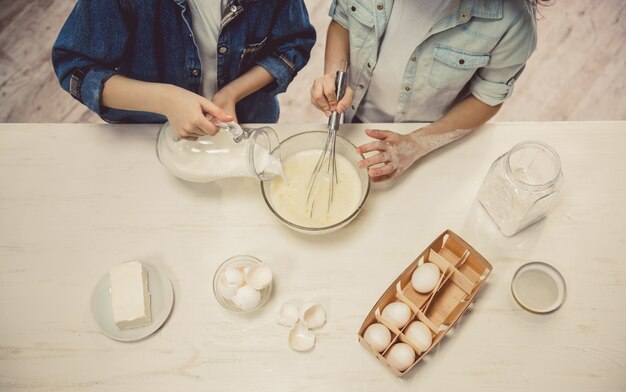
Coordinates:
column 289, row 194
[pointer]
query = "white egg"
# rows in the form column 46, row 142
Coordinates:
column 397, row 313
column 425, row 278
column 419, row 334
column 247, row 298
column 400, row 356
column 378, row 336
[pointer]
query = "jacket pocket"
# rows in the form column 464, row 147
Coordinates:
column 248, row 55
column 453, row 68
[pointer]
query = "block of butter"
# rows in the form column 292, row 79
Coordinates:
column 130, row 297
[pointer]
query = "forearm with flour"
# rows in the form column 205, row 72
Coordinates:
column 459, row 121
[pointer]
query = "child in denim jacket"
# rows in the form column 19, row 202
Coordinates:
column 449, row 62
column 139, row 60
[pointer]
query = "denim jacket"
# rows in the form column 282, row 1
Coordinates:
column 480, row 49
column 152, row 40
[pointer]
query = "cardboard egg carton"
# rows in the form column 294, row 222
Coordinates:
column 463, row 272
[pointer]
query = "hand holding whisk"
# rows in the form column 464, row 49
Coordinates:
column 325, row 171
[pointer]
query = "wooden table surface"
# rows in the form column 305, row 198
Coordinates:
column 77, row 199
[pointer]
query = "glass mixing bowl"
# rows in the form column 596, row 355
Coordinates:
column 315, row 140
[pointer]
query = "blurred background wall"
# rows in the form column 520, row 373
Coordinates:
column 576, row 73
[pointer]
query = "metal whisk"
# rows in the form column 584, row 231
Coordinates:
column 326, row 163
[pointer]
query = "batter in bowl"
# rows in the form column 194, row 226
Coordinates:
column 288, row 194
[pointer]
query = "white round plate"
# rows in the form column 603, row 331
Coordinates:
column 161, row 301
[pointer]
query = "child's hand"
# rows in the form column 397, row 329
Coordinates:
column 187, row 113
column 324, row 97
column 226, row 101
column 396, row 153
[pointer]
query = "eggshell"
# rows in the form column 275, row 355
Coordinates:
column 247, row 298
column 227, row 291
column 378, row 336
column 259, row 276
column 300, row 338
column 312, row 315
column 419, row 334
column 397, row 313
column 425, row 278
column 233, row 276
column 288, row 314
column 229, row 282
column 400, row 356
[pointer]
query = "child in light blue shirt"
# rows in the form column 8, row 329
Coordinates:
column 451, row 62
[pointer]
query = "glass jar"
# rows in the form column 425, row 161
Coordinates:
column 522, row 186
column 232, row 152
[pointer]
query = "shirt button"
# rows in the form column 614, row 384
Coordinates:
column 380, row 6
column 407, row 88
column 413, row 59
column 464, row 15
column 352, row 107
column 361, row 86
column 369, row 65
column 461, row 61
column 195, row 72
column 233, row 8
column 353, row 8
column 223, row 49
column 190, row 35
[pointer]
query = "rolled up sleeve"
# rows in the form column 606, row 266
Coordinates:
column 493, row 83
column 290, row 50
column 89, row 47
column 92, row 86
column 282, row 70
column 493, row 91
column 337, row 11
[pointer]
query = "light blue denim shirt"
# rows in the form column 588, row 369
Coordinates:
column 480, row 49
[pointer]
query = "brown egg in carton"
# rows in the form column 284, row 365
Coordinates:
column 463, row 271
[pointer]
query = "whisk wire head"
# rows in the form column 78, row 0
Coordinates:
column 325, row 171
column 328, row 156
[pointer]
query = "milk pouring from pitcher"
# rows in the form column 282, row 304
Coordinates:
column 232, row 152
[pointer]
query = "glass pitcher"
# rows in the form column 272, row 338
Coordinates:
column 233, row 152
column 522, row 186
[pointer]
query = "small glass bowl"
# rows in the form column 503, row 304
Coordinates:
column 538, row 287
column 239, row 261
column 316, row 140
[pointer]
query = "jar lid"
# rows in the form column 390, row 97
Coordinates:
column 538, row 287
